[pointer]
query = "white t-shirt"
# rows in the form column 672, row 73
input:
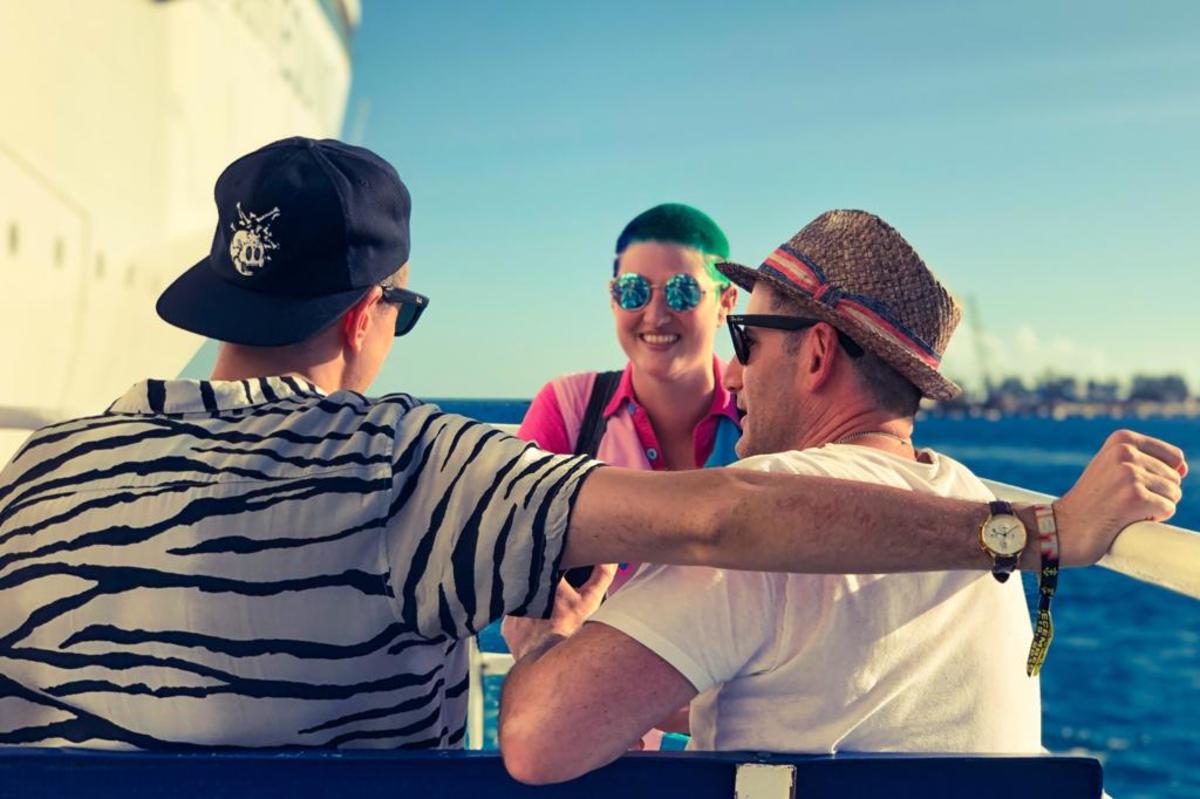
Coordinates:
column 928, row 662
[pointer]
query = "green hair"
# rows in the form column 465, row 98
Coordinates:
column 676, row 223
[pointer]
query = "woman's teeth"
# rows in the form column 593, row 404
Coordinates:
column 651, row 338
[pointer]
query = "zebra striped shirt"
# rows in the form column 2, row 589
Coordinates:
column 258, row 564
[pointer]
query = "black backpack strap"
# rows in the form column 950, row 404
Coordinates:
column 591, row 429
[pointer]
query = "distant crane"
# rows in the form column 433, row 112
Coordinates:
column 981, row 355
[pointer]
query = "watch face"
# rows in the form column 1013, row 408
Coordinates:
column 1004, row 534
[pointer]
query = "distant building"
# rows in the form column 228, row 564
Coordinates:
column 1106, row 391
column 1053, row 389
column 1165, row 388
column 1062, row 397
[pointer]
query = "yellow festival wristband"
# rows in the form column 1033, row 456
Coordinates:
column 1043, row 632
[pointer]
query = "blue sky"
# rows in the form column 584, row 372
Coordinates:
column 1043, row 157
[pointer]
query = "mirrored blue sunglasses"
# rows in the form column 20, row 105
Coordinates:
column 631, row 291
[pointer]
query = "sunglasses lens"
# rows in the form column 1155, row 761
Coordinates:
column 631, row 291
column 741, row 348
column 408, row 312
column 683, row 292
column 406, row 319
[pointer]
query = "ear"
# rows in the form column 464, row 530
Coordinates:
column 726, row 302
column 357, row 320
column 821, row 352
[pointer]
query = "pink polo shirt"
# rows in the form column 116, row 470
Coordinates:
column 554, row 417
column 556, row 413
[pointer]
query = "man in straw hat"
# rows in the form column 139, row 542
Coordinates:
column 271, row 558
column 842, row 337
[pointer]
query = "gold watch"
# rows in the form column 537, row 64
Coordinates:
column 1002, row 535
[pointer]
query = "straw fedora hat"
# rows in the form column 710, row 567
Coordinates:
column 854, row 271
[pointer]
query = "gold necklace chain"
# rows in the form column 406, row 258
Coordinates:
column 855, row 436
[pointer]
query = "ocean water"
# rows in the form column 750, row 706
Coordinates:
column 1122, row 681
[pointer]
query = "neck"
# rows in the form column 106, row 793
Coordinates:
column 236, row 362
column 891, row 433
column 678, row 402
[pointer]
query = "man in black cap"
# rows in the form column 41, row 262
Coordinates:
column 270, row 558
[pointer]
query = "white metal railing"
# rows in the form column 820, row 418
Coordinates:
column 482, row 664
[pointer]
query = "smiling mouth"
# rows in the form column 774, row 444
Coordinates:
column 658, row 338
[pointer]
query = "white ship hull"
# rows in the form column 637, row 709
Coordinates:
column 117, row 118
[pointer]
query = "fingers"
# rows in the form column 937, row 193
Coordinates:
column 565, row 590
column 1150, row 496
column 1156, row 496
column 604, row 573
column 1168, row 454
column 1154, row 466
column 1158, row 469
column 601, row 579
column 1161, row 510
column 572, row 606
column 1161, row 480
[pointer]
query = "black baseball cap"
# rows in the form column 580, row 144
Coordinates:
column 304, row 228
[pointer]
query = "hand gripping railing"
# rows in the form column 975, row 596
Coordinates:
column 1154, row 553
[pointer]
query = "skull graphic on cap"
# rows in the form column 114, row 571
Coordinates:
column 251, row 240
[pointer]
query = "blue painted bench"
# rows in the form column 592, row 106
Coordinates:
column 684, row 775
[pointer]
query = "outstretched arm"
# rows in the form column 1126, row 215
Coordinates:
column 769, row 522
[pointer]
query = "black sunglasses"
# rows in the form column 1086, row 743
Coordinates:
column 742, row 342
column 410, row 304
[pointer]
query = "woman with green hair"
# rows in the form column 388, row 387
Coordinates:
column 668, row 408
